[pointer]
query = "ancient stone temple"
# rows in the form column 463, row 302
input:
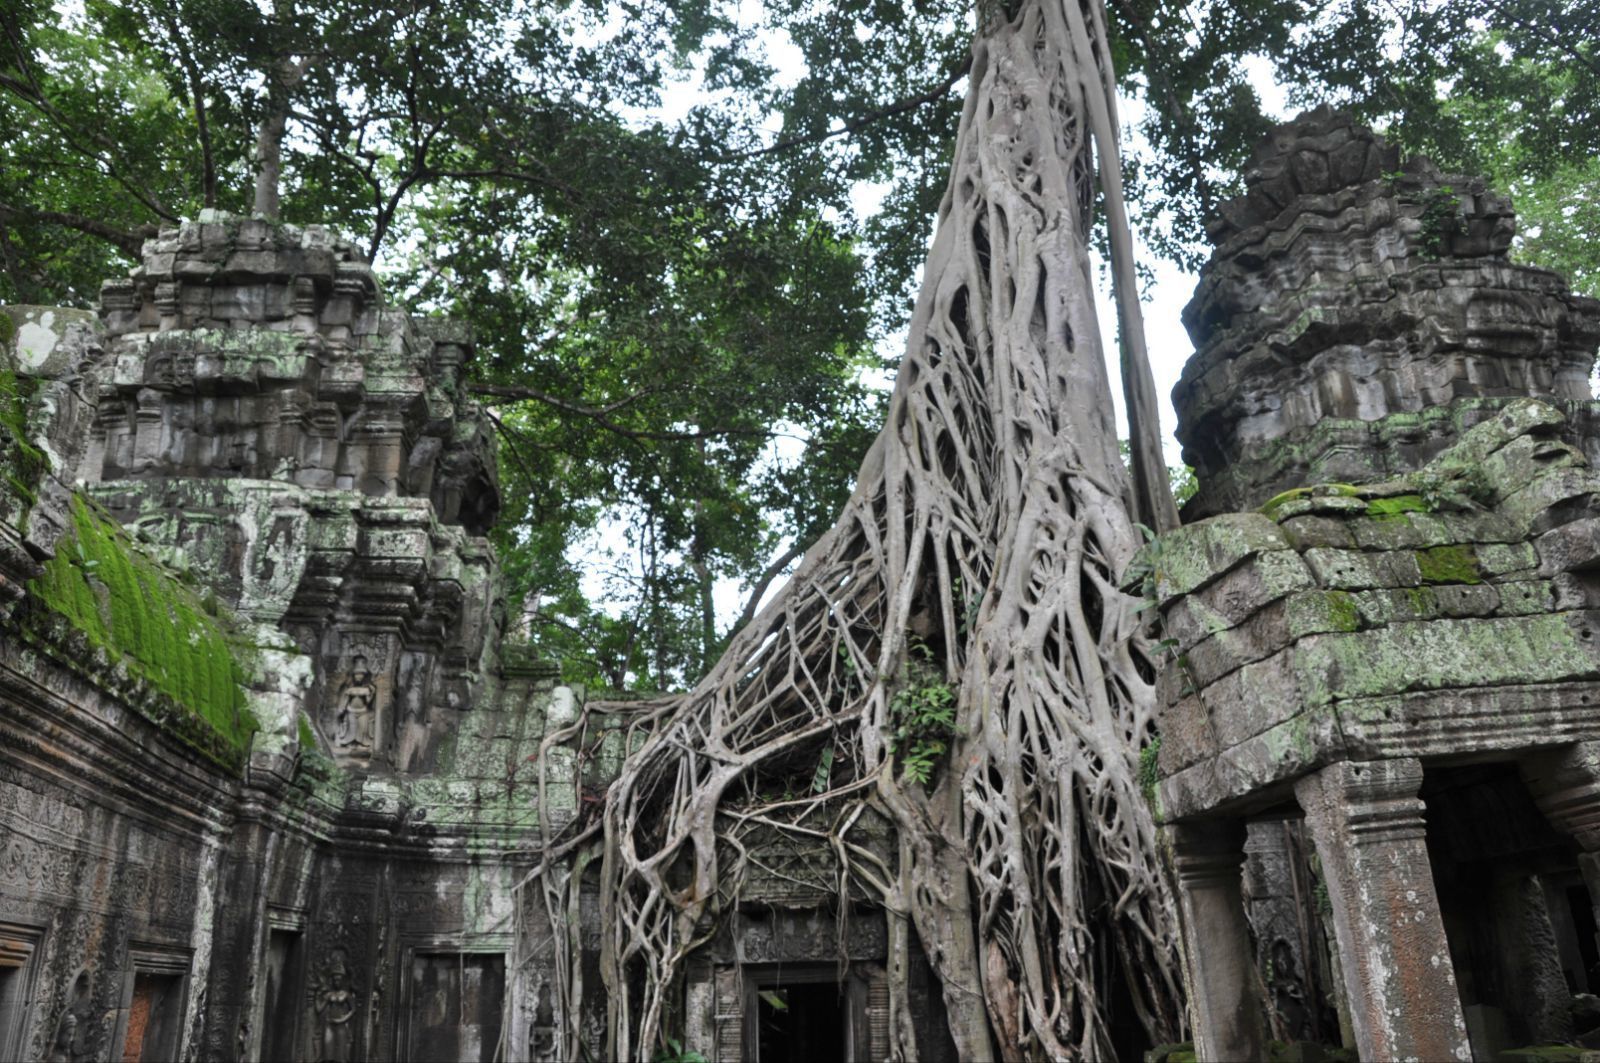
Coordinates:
column 1380, row 756
column 269, row 765
column 270, row 756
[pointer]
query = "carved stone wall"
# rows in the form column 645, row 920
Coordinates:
column 1382, row 616
column 264, row 441
column 1358, row 313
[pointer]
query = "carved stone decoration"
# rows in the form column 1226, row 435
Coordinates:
column 336, row 1003
column 76, row 1037
column 1359, row 313
column 542, row 1034
column 359, row 704
column 353, row 718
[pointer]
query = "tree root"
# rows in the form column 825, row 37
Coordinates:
column 986, row 533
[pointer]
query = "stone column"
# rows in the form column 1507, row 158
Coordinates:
column 1366, row 821
column 1226, row 1007
column 1565, row 784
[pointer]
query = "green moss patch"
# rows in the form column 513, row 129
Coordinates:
column 1396, row 508
column 1449, row 564
column 21, row 463
column 131, row 608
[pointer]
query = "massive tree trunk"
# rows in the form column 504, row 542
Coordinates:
column 975, row 566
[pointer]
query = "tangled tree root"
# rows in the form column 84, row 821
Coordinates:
column 978, row 556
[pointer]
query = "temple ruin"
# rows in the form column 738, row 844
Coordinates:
column 270, row 754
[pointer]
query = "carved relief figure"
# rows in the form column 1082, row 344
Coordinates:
column 352, row 730
column 542, row 1034
column 336, row 1007
column 66, row 1046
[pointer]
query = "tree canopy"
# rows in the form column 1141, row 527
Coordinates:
column 675, row 315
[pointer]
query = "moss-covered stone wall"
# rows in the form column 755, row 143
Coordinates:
column 130, row 607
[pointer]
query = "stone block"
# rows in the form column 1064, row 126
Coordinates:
column 1572, row 547
column 1355, row 570
column 1279, row 754
column 1186, row 735
column 1526, row 597
column 1506, row 559
column 1312, row 529
column 1441, row 654
column 1250, row 699
column 1189, row 557
column 1319, row 611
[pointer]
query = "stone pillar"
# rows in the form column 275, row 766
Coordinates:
column 148, row 420
column 1366, row 821
column 1565, row 784
column 1226, row 1007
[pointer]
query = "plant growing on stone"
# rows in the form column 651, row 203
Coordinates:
column 1027, row 869
column 924, row 712
column 1441, row 218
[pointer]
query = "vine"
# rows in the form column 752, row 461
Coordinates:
column 1441, row 218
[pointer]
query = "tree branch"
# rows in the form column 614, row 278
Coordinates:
column 598, row 415
column 129, row 241
column 909, row 103
column 759, row 588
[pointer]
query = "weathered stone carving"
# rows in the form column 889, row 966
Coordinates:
column 1358, row 314
column 1347, row 645
column 336, row 1006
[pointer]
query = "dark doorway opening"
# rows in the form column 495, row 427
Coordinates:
column 456, row 1007
column 153, row 1018
column 281, row 1009
column 1504, row 877
column 804, row 1022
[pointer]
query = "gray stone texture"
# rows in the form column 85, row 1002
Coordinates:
column 1382, row 617
column 1358, row 313
column 302, row 458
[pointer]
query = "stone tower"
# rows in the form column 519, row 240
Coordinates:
column 1383, row 618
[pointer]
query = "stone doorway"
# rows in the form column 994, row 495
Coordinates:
column 804, row 1014
column 1514, row 907
column 456, row 1007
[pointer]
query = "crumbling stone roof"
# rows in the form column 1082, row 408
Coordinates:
column 1446, row 611
column 1357, row 314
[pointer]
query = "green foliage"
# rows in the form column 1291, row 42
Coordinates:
column 819, row 780
column 1441, row 218
column 1183, row 482
column 128, row 606
column 688, row 309
column 923, row 710
column 1150, row 768
column 308, row 740
column 1509, row 89
column 673, row 1051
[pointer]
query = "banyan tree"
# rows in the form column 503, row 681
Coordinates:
column 954, row 657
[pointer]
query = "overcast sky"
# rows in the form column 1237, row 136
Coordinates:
column 1165, row 297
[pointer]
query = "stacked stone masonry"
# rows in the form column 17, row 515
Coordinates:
column 1382, row 621
column 248, row 441
column 1379, row 772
